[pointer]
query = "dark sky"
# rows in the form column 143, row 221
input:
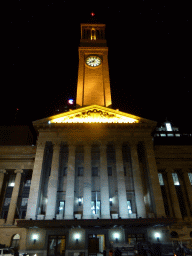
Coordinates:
column 149, row 45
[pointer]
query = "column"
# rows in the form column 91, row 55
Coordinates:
column 69, row 198
column 14, row 197
column 188, row 187
column 154, row 180
column 173, row 194
column 104, row 184
column 139, row 195
column 53, row 184
column 87, row 183
column 123, row 210
column 2, row 174
column 33, row 201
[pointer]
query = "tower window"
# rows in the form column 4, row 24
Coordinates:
column 161, row 182
column 93, row 34
column 175, row 179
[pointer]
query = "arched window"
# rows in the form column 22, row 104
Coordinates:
column 15, row 241
column 174, row 234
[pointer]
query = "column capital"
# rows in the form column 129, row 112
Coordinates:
column 56, row 144
column 71, row 145
column 87, row 145
column 133, row 144
column 118, row 145
column 103, row 145
column 169, row 170
column 3, row 171
column 185, row 170
column 18, row 171
column 41, row 144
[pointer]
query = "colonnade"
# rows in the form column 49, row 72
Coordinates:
column 104, row 186
column 152, row 176
column 173, row 202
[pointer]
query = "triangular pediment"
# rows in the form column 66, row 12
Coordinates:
column 93, row 114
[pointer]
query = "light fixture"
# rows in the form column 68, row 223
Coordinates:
column 157, row 235
column 80, row 201
column 77, row 236
column 110, row 200
column 116, row 235
column 34, row 238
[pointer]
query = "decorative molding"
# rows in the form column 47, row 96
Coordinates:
column 94, row 116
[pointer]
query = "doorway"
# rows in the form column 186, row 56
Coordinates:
column 96, row 244
column 56, row 246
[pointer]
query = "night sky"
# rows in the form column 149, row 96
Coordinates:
column 149, row 57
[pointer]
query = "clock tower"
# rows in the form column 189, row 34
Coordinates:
column 93, row 86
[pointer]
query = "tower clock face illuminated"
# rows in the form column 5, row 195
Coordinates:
column 93, row 61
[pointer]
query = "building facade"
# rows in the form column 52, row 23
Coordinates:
column 95, row 178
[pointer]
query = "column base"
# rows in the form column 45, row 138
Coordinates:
column 124, row 216
column 105, row 216
column 50, row 217
column 87, row 217
column 69, row 217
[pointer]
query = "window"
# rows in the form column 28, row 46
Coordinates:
column 129, row 207
column 28, row 183
column 109, row 169
column 95, row 207
column 168, row 127
column 7, row 201
column 80, row 171
column 161, row 182
column 124, row 171
column 11, row 182
column 65, row 171
column 24, row 201
column 94, row 171
column 61, row 207
column 190, row 177
column 15, row 241
column 6, row 251
column 175, row 179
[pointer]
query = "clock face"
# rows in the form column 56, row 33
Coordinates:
column 93, row 61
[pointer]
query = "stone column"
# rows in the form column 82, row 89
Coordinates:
column 69, row 198
column 14, row 197
column 173, row 194
column 87, row 183
column 104, row 184
column 154, row 180
column 33, row 201
column 139, row 195
column 122, row 197
column 188, row 187
column 53, row 184
column 2, row 173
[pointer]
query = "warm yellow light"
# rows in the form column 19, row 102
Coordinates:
column 94, row 115
column 93, row 120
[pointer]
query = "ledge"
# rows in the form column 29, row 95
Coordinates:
column 98, row 223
